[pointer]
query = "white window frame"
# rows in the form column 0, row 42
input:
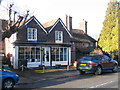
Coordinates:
column 32, row 34
column 58, row 37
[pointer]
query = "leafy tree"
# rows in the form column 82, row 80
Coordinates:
column 108, row 40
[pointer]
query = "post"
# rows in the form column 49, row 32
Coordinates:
column 43, row 69
column 67, row 67
column 22, row 67
column 118, row 34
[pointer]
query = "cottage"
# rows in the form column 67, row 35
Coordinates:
column 50, row 44
column 41, row 46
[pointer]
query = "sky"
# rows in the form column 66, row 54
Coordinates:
column 93, row 11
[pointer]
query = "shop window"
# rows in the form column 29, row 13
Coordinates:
column 31, row 54
column 59, row 54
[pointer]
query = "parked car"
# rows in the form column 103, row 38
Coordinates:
column 96, row 64
column 8, row 79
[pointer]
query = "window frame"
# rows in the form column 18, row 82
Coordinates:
column 31, row 34
column 58, row 36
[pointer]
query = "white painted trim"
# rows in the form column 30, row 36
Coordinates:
column 40, row 25
column 36, row 22
column 36, row 32
column 69, row 56
column 63, row 26
column 15, row 63
column 61, row 35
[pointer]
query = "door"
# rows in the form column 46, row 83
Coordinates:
column 45, row 56
column 106, row 62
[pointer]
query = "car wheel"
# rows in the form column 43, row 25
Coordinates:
column 8, row 84
column 98, row 71
column 115, row 69
column 81, row 72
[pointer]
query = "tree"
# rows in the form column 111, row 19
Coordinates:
column 108, row 40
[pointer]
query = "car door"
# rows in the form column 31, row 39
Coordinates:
column 104, row 62
column 108, row 63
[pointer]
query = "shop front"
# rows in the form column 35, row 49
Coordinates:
column 47, row 55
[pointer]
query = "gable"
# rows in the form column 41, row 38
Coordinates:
column 30, row 26
column 34, row 19
column 59, row 21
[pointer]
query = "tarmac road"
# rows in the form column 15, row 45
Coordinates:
column 106, row 80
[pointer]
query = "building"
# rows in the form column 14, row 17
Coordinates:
column 53, row 43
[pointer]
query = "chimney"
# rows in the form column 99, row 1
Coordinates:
column 69, row 22
column 83, row 26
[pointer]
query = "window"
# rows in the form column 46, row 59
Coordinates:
column 32, row 34
column 59, row 54
column 58, row 36
column 31, row 54
column 85, row 45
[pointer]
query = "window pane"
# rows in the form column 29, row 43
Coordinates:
column 53, row 51
column 21, row 50
column 65, row 54
column 57, row 54
column 47, row 54
column 61, row 54
column 33, row 50
column 32, row 34
column 58, row 36
column 37, row 50
column 21, row 56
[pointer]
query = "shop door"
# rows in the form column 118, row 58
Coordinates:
column 45, row 56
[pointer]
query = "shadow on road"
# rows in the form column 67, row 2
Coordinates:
column 52, row 82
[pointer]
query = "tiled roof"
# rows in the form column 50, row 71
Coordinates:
column 50, row 23
column 80, row 36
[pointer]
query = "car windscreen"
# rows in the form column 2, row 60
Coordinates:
column 86, row 58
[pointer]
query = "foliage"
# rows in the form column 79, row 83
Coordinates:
column 108, row 40
column 96, row 51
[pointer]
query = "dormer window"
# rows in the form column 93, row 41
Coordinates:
column 32, row 34
column 58, row 36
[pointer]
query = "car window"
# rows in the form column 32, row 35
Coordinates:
column 106, row 58
column 86, row 58
column 96, row 58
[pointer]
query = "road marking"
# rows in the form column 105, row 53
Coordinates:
column 101, row 84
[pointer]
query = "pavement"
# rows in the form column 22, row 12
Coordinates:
column 30, row 76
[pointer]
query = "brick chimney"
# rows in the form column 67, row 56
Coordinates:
column 69, row 22
column 83, row 26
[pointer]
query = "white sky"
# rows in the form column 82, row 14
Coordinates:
column 93, row 11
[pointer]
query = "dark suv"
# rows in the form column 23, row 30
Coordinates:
column 96, row 64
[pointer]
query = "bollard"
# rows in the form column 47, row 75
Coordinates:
column 43, row 69
column 22, row 67
column 67, row 68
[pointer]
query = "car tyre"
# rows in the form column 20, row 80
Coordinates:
column 98, row 71
column 115, row 69
column 8, row 84
column 81, row 72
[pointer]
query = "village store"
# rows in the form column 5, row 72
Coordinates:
column 37, row 54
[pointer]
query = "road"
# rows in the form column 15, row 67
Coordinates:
column 106, row 80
